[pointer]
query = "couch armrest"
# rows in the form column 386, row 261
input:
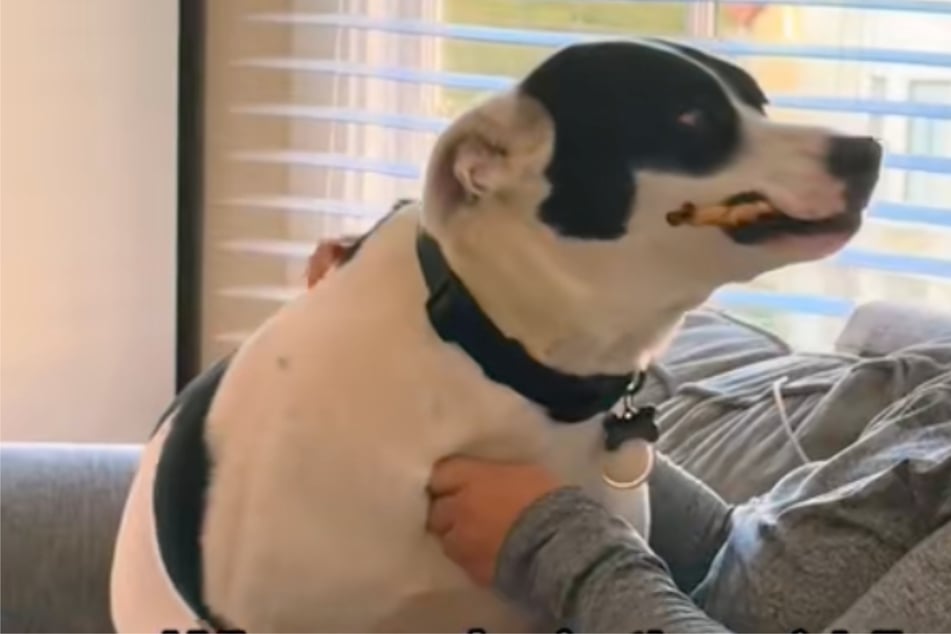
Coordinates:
column 61, row 505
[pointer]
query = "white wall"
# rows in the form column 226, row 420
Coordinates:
column 88, row 217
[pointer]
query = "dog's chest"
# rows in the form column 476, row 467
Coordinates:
column 323, row 435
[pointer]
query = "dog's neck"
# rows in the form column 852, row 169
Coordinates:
column 526, row 281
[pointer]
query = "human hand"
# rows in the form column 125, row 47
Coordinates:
column 475, row 504
column 325, row 257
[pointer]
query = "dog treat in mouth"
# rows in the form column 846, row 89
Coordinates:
column 735, row 211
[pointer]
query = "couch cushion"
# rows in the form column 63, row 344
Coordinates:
column 881, row 327
column 61, row 506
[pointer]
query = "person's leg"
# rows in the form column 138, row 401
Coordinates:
column 830, row 530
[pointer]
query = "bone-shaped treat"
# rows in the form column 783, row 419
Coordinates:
column 737, row 211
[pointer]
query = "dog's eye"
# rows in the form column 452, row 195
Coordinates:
column 693, row 118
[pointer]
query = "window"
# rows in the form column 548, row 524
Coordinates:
column 878, row 91
column 928, row 138
column 319, row 113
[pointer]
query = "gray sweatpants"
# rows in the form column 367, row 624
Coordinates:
column 858, row 541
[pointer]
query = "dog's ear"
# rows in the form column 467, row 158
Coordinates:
column 487, row 154
column 479, row 164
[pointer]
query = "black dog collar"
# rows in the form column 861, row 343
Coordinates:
column 457, row 318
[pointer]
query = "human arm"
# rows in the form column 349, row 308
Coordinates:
column 570, row 556
column 554, row 548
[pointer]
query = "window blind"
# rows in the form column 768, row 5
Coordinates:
column 319, row 113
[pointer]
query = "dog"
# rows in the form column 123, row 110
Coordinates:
column 502, row 316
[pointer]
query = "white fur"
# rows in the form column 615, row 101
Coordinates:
column 325, row 428
column 315, row 519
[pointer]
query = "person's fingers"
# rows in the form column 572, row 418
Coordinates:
column 324, row 258
column 467, row 553
column 450, row 475
column 449, row 541
column 327, row 255
column 455, row 546
column 442, row 515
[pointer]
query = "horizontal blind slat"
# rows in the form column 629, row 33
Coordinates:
column 463, row 81
column 916, row 214
column 738, row 298
column 232, row 338
column 850, row 257
column 418, row 123
column 906, row 162
column 918, row 163
column 554, row 39
column 281, row 248
column 412, row 123
column 865, row 106
column 728, row 298
column 264, row 293
column 329, row 161
column 476, row 82
column 300, row 203
column 938, row 7
column 882, row 210
column 935, row 7
column 891, row 263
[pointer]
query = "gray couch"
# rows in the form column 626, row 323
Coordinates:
column 60, row 510
column 61, row 503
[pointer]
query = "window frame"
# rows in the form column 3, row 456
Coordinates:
column 190, row 194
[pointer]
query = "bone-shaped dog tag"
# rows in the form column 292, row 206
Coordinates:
column 628, row 466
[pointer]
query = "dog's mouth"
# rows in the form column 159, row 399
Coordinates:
column 752, row 218
column 777, row 224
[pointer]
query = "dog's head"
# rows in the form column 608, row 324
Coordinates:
column 578, row 165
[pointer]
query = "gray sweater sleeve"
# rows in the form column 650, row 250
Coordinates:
column 568, row 556
column 594, row 573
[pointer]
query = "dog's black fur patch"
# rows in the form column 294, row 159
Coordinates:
column 615, row 108
column 181, row 483
column 741, row 83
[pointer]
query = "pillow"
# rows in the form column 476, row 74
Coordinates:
column 878, row 328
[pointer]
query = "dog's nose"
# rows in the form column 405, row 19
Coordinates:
column 852, row 157
column 857, row 160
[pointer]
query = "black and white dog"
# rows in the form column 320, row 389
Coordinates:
column 500, row 317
